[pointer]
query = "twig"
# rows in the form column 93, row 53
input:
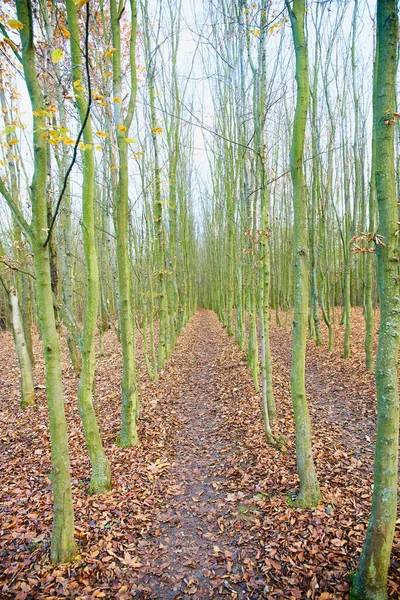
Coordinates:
column 4, row 261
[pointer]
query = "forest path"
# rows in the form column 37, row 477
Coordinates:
column 192, row 555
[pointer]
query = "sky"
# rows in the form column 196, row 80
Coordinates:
column 203, row 62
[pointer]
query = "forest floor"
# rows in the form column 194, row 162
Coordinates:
column 199, row 509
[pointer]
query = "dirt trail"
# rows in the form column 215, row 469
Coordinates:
column 192, row 555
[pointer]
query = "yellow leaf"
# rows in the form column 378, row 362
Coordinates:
column 41, row 113
column 102, row 134
column 106, row 74
column 117, row 100
column 130, row 141
column 10, row 43
column 80, row 3
column 15, row 24
column 65, row 32
column 77, row 83
column 109, row 53
column 57, row 55
column 98, row 147
column 120, row 128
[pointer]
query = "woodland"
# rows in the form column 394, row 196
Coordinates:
column 199, row 299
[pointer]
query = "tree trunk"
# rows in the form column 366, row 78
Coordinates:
column 309, row 494
column 101, row 473
column 62, row 540
column 27, row 388
column 130, row 401
column 370, row 580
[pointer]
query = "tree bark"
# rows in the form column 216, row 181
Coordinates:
column 101, row 473
column 370, row 580
column 63, row 546
column 309, row 494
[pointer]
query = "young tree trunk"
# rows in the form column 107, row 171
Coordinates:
column 24, row 360
column 368, row 307
column 130, row 401
column 174, row 159
column 370, row 580
column 159, row 233
column 309, row 494
column 101, row 473
column 264, row 236
column 25, row 365
column 62, row 541
column 315, row 192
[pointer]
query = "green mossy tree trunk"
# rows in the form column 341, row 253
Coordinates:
column 368, row 306
column 63, row 546
column 370, row 580
column 159, row 233
column 309, row 494
column 268, row 400
column 101, row 473
column 316, row 189
column 130, row 400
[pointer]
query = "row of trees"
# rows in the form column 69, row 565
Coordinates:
column 321, row 209
column 290, row 172
column 337, row 162
column 138, row 264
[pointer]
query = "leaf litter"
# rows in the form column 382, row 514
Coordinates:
column 199, row 509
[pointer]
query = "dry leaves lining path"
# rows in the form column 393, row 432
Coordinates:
column 199, row 509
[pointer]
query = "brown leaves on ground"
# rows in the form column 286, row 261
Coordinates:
column 199, row 508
